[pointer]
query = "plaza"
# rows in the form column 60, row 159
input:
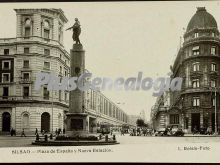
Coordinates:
column 7, row 141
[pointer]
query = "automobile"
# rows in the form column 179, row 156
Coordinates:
column 160, row 132
column 177, row 132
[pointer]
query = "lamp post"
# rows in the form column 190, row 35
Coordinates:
column 216, row 131
column 52, row 112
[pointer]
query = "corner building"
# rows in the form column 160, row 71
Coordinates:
column 198, row 63
column 38, row 47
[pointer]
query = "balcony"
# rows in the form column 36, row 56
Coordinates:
column 186, row 90
column 195, row 74
column 213, row 74
column 29, row 39
column 31, row 99
column 200, row 39
column 25, row 81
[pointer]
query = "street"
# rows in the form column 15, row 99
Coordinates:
column 8, row 141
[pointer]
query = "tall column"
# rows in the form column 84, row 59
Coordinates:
column 76, row 117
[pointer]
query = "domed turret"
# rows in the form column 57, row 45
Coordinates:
column 201, row 20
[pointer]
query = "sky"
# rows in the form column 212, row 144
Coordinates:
column 122, row 39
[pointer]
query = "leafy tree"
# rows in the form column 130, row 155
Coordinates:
column 140, row 123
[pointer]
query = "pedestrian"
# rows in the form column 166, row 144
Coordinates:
column 59, row 131
column 22, row 133
column 56, row 132
column 36, row 131
column 64, row 131
column 12, row 131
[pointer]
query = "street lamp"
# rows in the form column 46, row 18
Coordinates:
column 215, row 90
column 216, row 132
column 52, row 112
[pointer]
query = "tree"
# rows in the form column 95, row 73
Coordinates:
column 140, row 123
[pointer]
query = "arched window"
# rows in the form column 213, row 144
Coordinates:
column 25, row 121
column 46, row 29
column 27, row 22
column 46, row 24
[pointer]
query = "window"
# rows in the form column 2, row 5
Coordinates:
column 46, row 24
column 47, row 65
column 26, row 50
column 65, row 97
column 26, row 76
column 195, row 83
column 46, row 51
column 25, row 92
column 196, row 50
column 213, row 67
column 5, row 92
column 60, row 95
column 174, row 119
column 6, row 51
column 213, row 102
column 213, row 50
column 27, row 32
column 26, row 64
column 46, row 33
column 65, row 73
column 61, row 69
column 27, row 22
column 213, row 83
column 25, row 121
column 61, row 56
column 196, row 101
column 46, row 94
column 196, row 66
column 213, row 34
column 196, row 35
column 5, row 77
column 6, row 65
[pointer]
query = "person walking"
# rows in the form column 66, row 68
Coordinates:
column 22, row 133
column 12, row 131
column 36, row 131
column 64, row 131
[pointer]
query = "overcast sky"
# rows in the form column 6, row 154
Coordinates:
column 123, row 38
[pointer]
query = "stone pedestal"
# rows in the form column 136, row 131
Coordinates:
column 76, row 117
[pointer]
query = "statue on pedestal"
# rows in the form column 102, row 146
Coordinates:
column 76, row 31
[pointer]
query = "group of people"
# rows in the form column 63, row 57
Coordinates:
column 57, row 132
column 202, row 130
column 141, row 131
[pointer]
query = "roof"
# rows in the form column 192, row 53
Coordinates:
column 202, row 20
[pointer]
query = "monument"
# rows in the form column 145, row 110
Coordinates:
column 77, row 133
column 76, row 117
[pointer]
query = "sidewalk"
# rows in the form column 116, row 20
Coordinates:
column 200, row 135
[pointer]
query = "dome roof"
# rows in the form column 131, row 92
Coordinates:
column 202, row 19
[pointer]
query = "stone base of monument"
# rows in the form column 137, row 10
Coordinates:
column 78, row 140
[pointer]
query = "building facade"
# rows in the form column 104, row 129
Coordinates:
column 102, row 111
column 38, row 47
column 159, row 116
column 198, row 63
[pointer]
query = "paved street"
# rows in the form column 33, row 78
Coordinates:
column 8, row 141
column 162, row 140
